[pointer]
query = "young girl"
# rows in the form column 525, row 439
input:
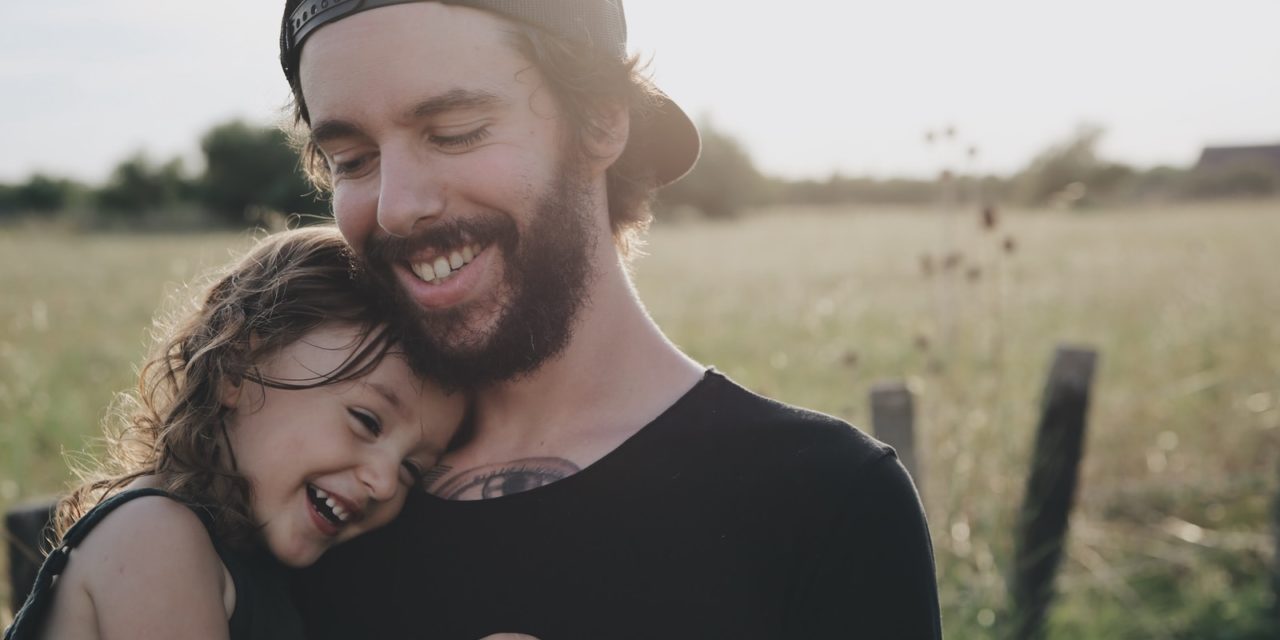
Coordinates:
column 275, row 421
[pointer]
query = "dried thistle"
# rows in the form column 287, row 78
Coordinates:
column 990, row 219
column 926, row 265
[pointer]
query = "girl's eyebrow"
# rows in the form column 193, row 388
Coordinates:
column 388, row 394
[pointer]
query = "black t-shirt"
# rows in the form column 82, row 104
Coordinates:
column 729, row 516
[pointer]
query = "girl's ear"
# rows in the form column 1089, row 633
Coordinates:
column 229, row 389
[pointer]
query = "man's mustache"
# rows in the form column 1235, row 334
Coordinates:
column 483, row 229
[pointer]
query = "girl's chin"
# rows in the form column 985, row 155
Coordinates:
column 297, row 557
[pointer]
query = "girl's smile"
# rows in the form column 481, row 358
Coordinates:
column 330, row 462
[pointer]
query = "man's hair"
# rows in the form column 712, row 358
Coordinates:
column 586, row 86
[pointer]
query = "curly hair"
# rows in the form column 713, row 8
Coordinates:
column 586, row 86
column 172, row 426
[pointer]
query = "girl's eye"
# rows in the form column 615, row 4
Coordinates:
column 368, row 420
column 412, row 475
column 463, row 141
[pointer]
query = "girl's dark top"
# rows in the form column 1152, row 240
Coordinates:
column 263, row 608
column 729, row 516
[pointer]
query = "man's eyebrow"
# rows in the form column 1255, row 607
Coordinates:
column 454, row 100
column 332, row 130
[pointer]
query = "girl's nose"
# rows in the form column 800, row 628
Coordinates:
column 381, row 477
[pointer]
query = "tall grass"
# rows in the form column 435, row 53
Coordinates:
column 1170, row 536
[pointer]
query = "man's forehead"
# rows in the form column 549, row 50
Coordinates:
column 408, row 29
column 406, row 54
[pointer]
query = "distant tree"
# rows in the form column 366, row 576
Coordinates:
column 724, row 181
column 249, row 166
column 43, row 194
column 138, row 186
column 8, row 200
column 1059, row 167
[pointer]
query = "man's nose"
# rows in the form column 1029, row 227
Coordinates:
column 410, row 193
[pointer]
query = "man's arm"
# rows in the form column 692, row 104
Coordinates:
column 876, row 579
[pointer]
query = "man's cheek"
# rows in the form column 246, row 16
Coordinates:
column 356, row 216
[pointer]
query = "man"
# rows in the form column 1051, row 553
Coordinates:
column 490, row 160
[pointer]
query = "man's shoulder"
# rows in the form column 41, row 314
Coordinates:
column 780, row 435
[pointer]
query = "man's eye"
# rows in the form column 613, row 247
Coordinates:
column 369, row 421
column 462, row 141
column 352, row 168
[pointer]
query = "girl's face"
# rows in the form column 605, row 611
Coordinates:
column 332, row 462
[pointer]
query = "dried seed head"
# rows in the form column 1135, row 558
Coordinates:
column 926, row 265
column 989, row 219
column 922, row 342
column 849, row 359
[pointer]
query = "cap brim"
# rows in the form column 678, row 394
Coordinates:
column 670, row 140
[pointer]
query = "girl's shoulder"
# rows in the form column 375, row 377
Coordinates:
column 149, row 558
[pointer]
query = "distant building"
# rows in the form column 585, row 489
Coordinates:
column 1219, row 158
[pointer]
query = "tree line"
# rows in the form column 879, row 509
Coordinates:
column 252, row 171
column 248, row 171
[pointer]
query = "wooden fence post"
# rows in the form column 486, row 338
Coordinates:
column 893, row 422
column 26, row 526
column 1042, row 523
column 1275, row 560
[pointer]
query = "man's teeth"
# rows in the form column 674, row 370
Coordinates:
column 444, row 266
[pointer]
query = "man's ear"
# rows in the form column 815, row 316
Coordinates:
column 606, row 141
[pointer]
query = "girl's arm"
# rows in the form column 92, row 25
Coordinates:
column 151, row 571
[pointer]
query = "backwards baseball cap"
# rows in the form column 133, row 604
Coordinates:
column 666, row 141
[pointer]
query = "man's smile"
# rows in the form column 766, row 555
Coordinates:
column 443, row 266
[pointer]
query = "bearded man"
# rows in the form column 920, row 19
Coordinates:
column 491, row 161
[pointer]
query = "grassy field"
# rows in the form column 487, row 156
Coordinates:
column 1170, row 538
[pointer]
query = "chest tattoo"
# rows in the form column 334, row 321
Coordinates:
column 499, row 479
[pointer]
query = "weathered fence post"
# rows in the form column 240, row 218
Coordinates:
column 1042, row 523
column 25, row 528
column 893, row 422
column 1275, row 560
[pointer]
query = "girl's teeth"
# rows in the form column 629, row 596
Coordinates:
column 467, row 254
column 321, row 494
column 331, row 503
column 455, row 260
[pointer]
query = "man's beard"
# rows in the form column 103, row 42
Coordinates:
column 529, row 318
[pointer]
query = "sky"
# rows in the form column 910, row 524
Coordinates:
column 810, row 87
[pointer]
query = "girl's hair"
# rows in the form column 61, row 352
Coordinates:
column 172, row 426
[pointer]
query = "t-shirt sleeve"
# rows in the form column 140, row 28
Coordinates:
column 876, row 578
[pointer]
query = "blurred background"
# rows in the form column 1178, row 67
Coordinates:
column 927, row 193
